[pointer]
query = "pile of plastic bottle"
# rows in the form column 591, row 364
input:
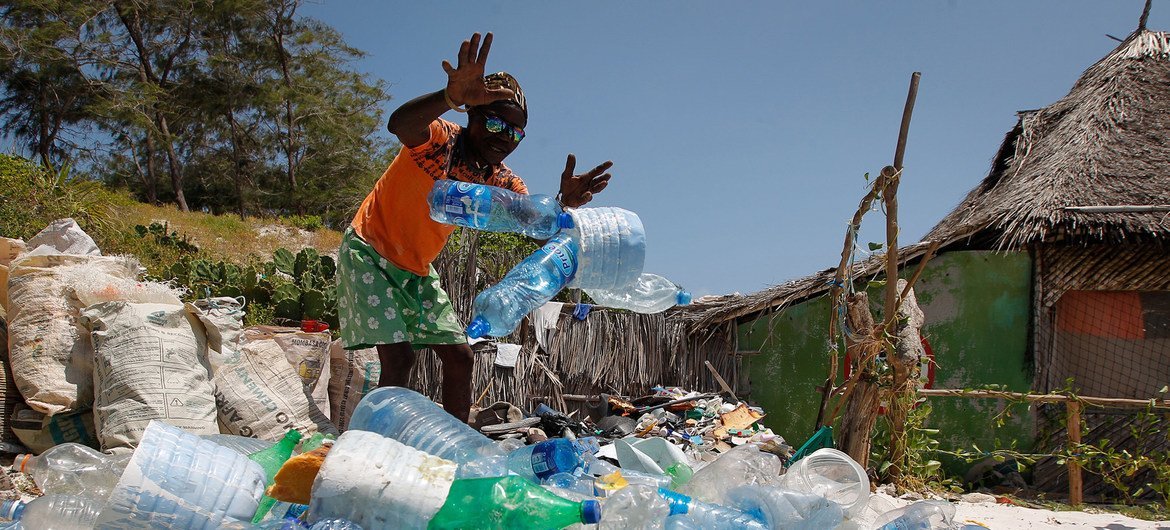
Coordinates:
column 598, row 250
column 406, row 463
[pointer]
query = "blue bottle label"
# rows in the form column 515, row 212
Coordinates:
column 564, row 258
column 543, row 463
column 468, row 204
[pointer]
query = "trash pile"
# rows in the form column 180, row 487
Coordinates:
column 146, row 412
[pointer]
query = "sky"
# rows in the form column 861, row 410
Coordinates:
column 741, row 132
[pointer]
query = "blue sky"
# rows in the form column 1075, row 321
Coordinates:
column 740, row 131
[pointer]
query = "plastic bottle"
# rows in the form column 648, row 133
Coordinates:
column 176, row 479
column 613, row 247
column 512, row 503
column 240, row 444
column 498, row 309
column 568, row 485
column 922, row 515
column 611, row 477
column 335, row 524
column 779, row 508
column 378, row 482
column 709, row 515
column 73, row 469
column 745, row 464
column 633, row 508
column 271, row 460
column 544, row 459
column 414, row 420
column 57, row 512
column 495, row 209
column 649, row 293
column 832, row 475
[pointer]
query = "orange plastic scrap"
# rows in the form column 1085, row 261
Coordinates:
column 621, row 405
column 740, row 418
column 294, row 481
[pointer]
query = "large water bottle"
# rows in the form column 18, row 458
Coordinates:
column 612, row 247
column 649, row 293
column 377, row 482
column 56, row 512
column 495, row 209
column 635, row 507
column 832, row 475
column 176, row 479
column 498, row 309
column 779, row 508
column 414, row 420
column 745, row 464
column 710, row 516
column 73, row 469
column 511, row 503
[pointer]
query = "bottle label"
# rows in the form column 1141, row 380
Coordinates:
column 563, row 257
column 543, row 464
column 468, row 204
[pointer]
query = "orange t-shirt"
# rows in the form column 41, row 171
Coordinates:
column 395, row 218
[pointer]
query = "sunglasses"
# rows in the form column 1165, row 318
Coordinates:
column 496, row 125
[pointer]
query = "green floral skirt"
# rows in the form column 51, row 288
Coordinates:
column 379, row 303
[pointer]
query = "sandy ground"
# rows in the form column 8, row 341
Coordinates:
column 1009, row 517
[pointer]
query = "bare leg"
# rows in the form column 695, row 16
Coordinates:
column 458, row 361
column 397, row 360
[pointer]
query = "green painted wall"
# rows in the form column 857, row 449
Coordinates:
column 977, row 307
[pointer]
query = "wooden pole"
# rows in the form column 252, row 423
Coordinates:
column 1075, row 481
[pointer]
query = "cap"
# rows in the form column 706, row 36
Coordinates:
column 564, row 220
column 590, row 511
column 478, row 327
column 684, row 298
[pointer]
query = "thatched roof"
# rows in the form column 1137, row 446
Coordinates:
column 1106, row 143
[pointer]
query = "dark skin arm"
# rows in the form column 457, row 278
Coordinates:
column 465, row 87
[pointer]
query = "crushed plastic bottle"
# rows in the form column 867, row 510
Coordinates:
column 512, row 503
column 745, row 464
column 537, row 279
column 649, row 293
column 611, row 477
column 779, row 508
column 57, row 512
column 496, row 209
column 635, row 507
column 414, row 420
column 922, row 515
column 73, row 469
column 271, row 460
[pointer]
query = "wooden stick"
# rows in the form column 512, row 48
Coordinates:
column 719, row 379
column 1075, row 481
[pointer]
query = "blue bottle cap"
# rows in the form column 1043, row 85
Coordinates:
column 684, row 298
column 478, row 327
column 590, row 511
column 678, row 502
column 564, row 220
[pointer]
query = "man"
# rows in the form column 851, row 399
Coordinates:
column 388, row 291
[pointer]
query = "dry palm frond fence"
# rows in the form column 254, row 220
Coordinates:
column 611, row 351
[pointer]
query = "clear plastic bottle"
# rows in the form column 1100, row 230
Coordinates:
column 534, row 281
column 271, row 460
column 779, row 508
column 922, row 515
column 412, row 419
column 745, row 464
column 240, row 444
column 831, row 474
column 613, row 247
column 569, row 485
column 335, row 524
column 73, row 469
column 512, row 503
column 633, row 508
column 649, row 293
column 611, row 477
column 176, row 479
column 495, row 209
column 709, row 515
column 58, row 512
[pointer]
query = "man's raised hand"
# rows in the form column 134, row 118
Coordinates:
column 465, row 84
column 578, row 190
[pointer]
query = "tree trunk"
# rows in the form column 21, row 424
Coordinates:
column 290, row 143
column 151, row 174
column 863, row 394
column 173, row 164
column 906, row 362
column 238, row 163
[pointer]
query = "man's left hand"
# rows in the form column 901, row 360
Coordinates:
column 578, row 190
